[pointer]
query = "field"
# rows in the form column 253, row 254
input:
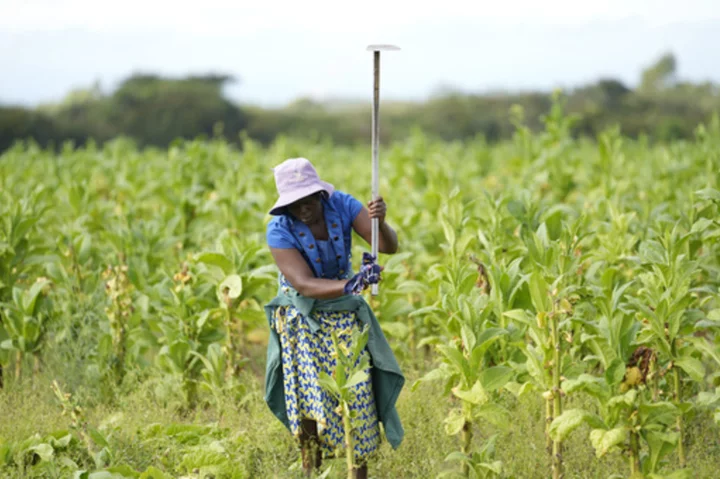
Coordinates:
column 554, row 307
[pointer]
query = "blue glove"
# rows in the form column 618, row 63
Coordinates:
column 369, row 274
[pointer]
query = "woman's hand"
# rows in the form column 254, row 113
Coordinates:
column 377, row 209
column 387, row 242
column 369, row 274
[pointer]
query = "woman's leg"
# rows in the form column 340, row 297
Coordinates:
column 361, row 472
column 310, row 446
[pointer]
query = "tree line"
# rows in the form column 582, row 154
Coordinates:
column 155, row 110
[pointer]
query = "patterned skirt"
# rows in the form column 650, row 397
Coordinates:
column 304, row 355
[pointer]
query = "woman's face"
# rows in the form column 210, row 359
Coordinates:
column 308, row 209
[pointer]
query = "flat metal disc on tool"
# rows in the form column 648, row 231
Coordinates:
column 382, row 48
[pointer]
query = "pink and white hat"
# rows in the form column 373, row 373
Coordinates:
column 296, row 178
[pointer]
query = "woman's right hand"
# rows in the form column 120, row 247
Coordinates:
column 369, row 274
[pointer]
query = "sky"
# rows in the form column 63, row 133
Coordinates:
column 283, row 50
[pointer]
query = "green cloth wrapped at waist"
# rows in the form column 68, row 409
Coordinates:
column 387, row 378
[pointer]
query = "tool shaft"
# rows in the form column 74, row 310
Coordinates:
column 375, row 155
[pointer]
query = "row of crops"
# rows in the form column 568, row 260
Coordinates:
column 582, row 273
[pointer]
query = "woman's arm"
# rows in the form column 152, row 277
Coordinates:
column 387, row 240
column 298, row 273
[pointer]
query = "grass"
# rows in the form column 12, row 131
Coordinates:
column 144, row 427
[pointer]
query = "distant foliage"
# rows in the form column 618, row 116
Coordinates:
column 155, row 110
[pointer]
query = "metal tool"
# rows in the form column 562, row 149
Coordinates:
column 376, row 49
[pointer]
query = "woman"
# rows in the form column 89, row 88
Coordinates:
column 310, row 240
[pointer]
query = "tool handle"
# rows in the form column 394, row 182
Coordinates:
column 375, row 159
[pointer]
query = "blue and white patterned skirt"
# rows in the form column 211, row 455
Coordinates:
column 304, row 355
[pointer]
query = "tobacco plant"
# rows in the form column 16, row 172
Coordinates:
column 667, row 305
column 27, row 320
column 189, row 323
column 239, row 274
column 469, row 370
column 351, row 368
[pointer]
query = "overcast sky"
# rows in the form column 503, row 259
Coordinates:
column 281, row 50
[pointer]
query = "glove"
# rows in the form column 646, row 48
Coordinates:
column 369, row 274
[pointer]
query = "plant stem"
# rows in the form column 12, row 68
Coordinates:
column 557, row 398
column 656, row 379
column 548, row 421
column 678, row 398
column 229, row 347
column 18, row 365
column 412, row 343
column 120, row 351
column 349, row 441
column 466, row 444
column 634, row 453
column 240, row 340
column 190, row 386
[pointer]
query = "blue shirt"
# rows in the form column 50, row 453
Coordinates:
column 328, row 259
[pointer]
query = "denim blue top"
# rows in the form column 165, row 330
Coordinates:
column 327, row 259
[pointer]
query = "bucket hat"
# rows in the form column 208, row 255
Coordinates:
column 296, row 178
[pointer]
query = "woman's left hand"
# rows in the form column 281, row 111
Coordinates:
column 378, row 209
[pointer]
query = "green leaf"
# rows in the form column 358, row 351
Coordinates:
column 708, row 194
column 519, row 390
column 489, row 335
column 604, row 441
column 477, row 395
column 652, row 252
column 468, row 337
column 60, row 440
column 448, row 230
column 216, row 259
column 595, row 386
column 701, row 225
column 45, row 451
column 68, row 463
column 570, row 420
column 495, row 377
column 693, row 367
column 124, row 470
column 707, row 399
column 615, row 372
column 679, row 474
column 455, row 359
column 98, row 438
column 535, row 369
column 494, row 467
column 329, row 384
column 661, row 444
column 494, row 414
column 85, row 248
column 396, row 329
column 663, row 413
column 435, row 375
column 154, row 473
column 233, row 285
column 31, row 296
column 47, row 260
column 457, row 456
column 539, row 293
column 454, row 422
column 518, row 315
column 357, row 378
column 517, row 210
column 106, row 475
column 626, row 399
column 704, row 346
